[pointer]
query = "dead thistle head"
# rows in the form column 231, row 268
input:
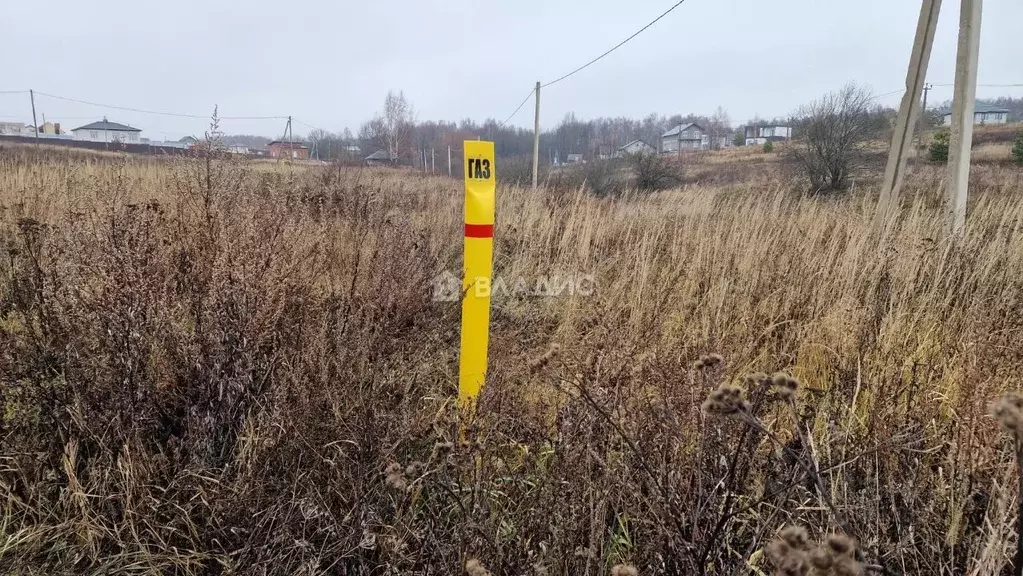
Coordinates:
column 624, row 570
column 841, row 545
column 394, row 476
column 1009, row 412
column 784, row 385
column 789, row 561
column 756, row 378
column 724, row 400
column 792, row 555
column 796, row 537
column 538, row 363
column 474, row 567
column 708, row 361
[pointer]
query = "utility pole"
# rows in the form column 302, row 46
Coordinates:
column 536, row 137
column 923, row 109
column 902, row 137
column 963, row 101
column 449, row 160
column 291, row 145
column 35, row 126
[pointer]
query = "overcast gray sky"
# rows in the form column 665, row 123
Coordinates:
column 329, row 64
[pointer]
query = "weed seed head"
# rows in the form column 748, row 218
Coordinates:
column 821, row 559
column 1009, row 412
column 551, row 353
column 796, row 537
column 725, row 399
column 708, row 361
column 792, row 555
column 474, row 567
column 784, row 384
column 395, row 477
column 841, row 545
column 624, row 570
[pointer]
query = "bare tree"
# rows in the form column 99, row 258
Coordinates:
column 373, row 135
column 831, row 133
column 718, row 128
column 399, row 120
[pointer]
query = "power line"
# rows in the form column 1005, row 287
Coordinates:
column 523, row 103
column 297, row 121
column 892, row 93
column 985, row 85
column 13, row 91
column 617, row 46
column 158, row 113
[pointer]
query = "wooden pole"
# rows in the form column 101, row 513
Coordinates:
column 902, row 137
column 961, row 138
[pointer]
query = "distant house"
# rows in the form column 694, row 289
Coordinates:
column 574, row 159
column 757, row 135
column 189, row 141
column 238, row 149
column 15, row 128
column 636, row 147
column 685, row 136
column 50, row 128
column 106, row 131
column 379, row 158
column 984, row 114
column 284, row 149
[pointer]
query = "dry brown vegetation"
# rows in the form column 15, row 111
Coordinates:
column 210, row 369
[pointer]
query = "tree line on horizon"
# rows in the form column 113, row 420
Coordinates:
column 396, row 131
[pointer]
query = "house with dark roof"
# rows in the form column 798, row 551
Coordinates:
column 685, row 137
column 379, row 158
column 984, row 114
column 636, row 147
column 106, row 131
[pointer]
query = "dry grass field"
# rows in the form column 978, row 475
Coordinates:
column 211, row 369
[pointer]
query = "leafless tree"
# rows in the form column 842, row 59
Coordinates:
column 831, row 133
column 718, row 128
column 399, row 120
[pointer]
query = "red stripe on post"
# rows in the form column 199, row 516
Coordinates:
column 479, row 230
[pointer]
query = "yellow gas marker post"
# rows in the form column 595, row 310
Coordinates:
column 480, row 185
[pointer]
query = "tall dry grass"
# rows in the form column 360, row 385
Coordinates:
column 209, row 369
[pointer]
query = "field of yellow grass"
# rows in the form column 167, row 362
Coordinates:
column 211, row 369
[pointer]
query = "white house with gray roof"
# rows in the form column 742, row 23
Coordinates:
column 984, row 114
column 636, row 147
column 106, row 131
column 685, row 136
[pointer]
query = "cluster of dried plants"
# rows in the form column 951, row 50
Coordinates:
column 211, row 368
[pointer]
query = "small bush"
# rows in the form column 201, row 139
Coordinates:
column 1017, row 149
column 768, row 147
column 604, row 177
column 939, row 146
column 653, row 172
column 519, row 171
